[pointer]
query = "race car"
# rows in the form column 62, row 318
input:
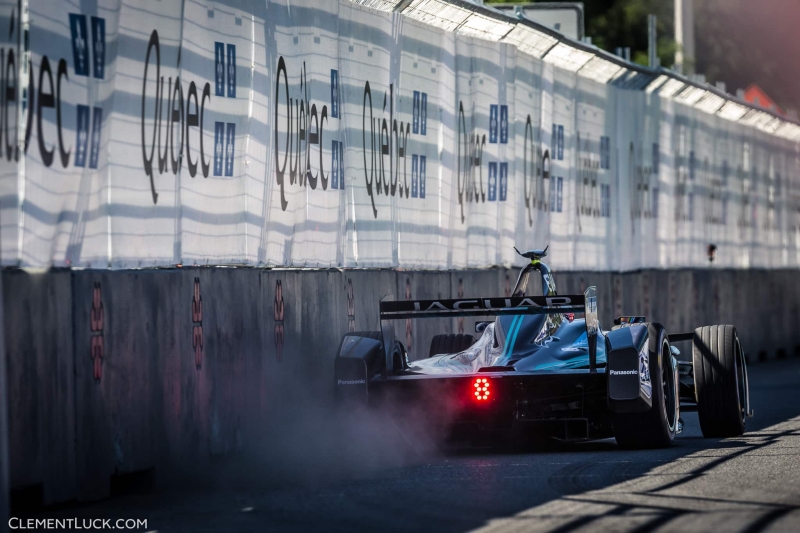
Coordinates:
column 535, row 369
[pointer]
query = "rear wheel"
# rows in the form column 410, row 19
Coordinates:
column 656, row 427
column 720, row 381
column 450, row 343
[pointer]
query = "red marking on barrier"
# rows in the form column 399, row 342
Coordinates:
column 96, row 354
column 278, row 308
column 96, row 324
column 197, row 302
column 96, row 317
column 197, row 327
column 409, row 325
column 278, row 305
column 351, row 306
column 197, row 344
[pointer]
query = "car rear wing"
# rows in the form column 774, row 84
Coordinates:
column 524, row 305
column 521, row 305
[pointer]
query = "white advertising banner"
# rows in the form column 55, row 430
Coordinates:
column 332, row 133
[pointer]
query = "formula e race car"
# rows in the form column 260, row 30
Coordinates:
column 537, row 369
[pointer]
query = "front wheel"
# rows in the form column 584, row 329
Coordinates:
column 656, row 427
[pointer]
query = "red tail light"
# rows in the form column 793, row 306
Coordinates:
column 480, row 389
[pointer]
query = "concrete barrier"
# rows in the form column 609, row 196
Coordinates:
column 117, row 373
column 41, row 382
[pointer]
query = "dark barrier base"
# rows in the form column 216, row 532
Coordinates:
column 125, row 377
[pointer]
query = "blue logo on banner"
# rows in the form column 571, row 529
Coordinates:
column 82, row 135
column 334, row 94
column 559, row 193
column 80, row 48
column 229, row 148
column 556, row 190
column 492, row 181
column 656, row 154
column 503, row 124
column 219, row 68
column 493, row 123
column 341, row 166
column 219, row 137
column 231, row 71
column 97, row 128
column 414, row 176
column 335, row 164
column 560, row 143
column 99, row 46
column 422, row 165
column 503, row 181
column 605, row 152
column 423, row 122
column 415, row 119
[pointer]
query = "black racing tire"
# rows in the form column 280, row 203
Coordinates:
column 654, row 428
column 450, row 343
column 720, row 381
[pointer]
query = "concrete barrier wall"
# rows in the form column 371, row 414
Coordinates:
column 41, row 365
column 117, row 372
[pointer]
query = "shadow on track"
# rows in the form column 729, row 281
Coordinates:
column 710, row 484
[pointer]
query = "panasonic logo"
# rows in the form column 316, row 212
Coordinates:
column 623, row 372
column 350, row 382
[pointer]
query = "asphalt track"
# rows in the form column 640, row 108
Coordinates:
column 748, row 484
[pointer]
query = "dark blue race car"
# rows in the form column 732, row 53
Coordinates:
column 536, row 370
